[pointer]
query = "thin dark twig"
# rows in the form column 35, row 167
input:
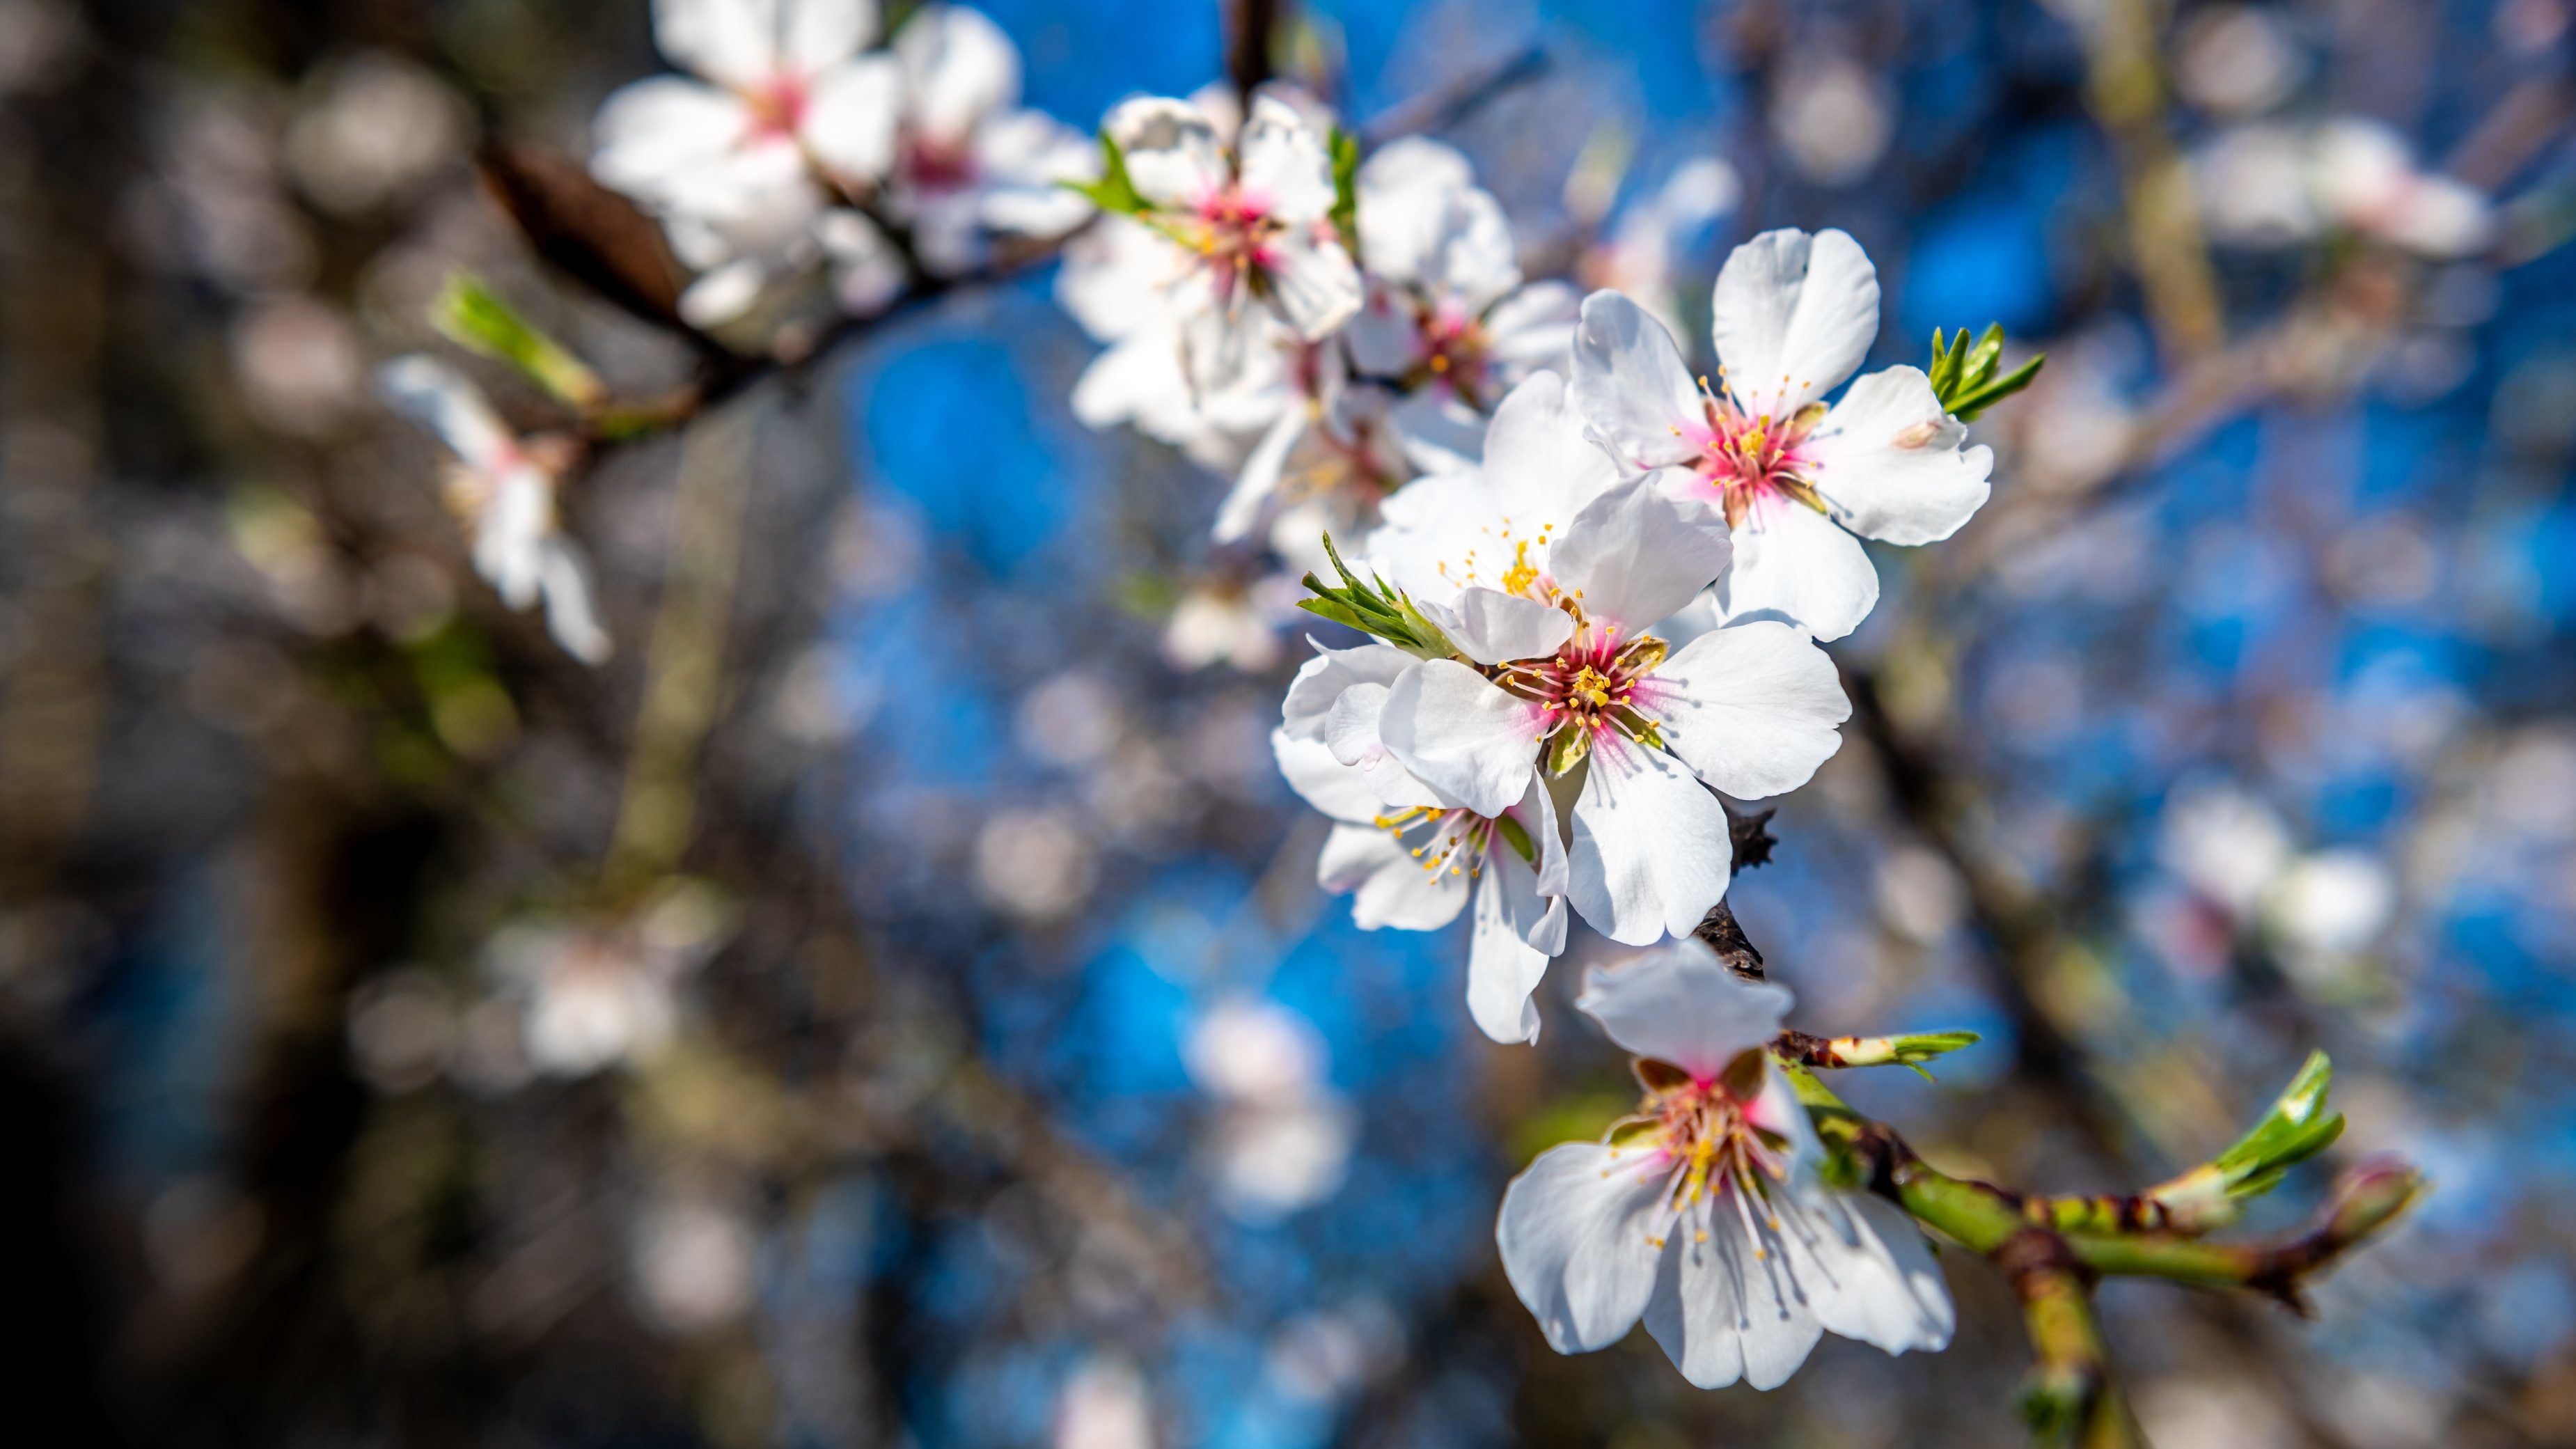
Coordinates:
column 1249, row 27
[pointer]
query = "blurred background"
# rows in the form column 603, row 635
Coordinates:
column 888, row 1003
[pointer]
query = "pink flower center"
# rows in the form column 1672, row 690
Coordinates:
column 1593, row 686
column 1232, row 231
column 938, row 164
column 1750, row 460
column 1454, row 353
column 1701, row 1134
column 778, row 107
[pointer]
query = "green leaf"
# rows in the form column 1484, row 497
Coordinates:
column 1373, row 607
column 1963, row 373
column 1346, row 195
column 1115, row 191
column 477, row 318
column 2297, row 1128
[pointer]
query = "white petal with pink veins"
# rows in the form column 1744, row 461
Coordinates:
column 1793, row 316
column 1889, row 461
column 1636, row 554
column 1795, row 564
column 1752, row 708
column 1631, row 386
column 1651, row 846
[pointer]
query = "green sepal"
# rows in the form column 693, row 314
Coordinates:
column 479, row 319
column 1346, row 191
column 1115, row 191
column 1962, row 372
column 1372, row 606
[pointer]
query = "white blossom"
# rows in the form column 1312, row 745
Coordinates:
column 1547, row 570
column 1283, row 1136
column 1704, row 1214
column 2274, row 184
column 782, row 115
column 596, row 993
column 1411, row 856
column 1447, row 315
column 969, row 159
column 1793, row 316
column 505, row 494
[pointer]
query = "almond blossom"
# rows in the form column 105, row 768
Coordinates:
column 1448, row 318
column 1705, row 1213
column 504, row 491
column 1246, row 229
column 968, row 159
column 1411, row 856
column 2269, row 184
column 1547, row 571
column 1801, row 484
column 783, row 117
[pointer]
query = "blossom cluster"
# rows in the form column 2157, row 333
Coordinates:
column 1595, row 586
column 791, row 142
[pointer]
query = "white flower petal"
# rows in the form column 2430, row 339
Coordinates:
column 1574, row 1238
column 570, row 615
column 1752, row 708
column 1462, row 736
column 731, row 42
column 816, row 34
column 1678, row 1003
column 867, row 271
column 1336, row 789
column 958, row 67
column 651, row 134
column 1876, row 1280
column 1630, row 385
column 1636, row 554
column 724, row 294
column 1388, row 887
column 1285, row 169
column 1255, row 486
column 1890, row 462
column 1502, row 967
column 439, row 398
column 1540, row 467
column 1651, row 850
column 1793, row 316
column 1025, row 157
column 1403, row 192
column 1533, row 327
column 1171, row 150
column 1722, row 1314
column 1795, row 564
column 1307, row 711
column 852, row 115
column 1492, row 627
column 1313, row 283
column 1351, row 732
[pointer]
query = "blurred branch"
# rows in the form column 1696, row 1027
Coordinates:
column 1453, row 104
column 1250, row 28
column 2070, row 1397
column 684, row 668
column 2126, row 92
